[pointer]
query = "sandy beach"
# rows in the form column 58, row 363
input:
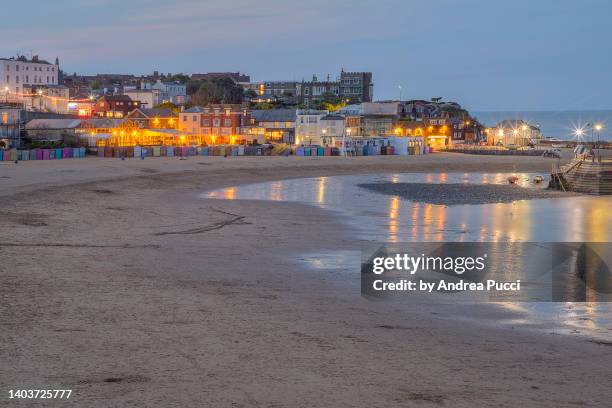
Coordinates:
column 121, row 283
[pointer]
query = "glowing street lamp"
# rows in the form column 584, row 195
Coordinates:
column 598, row 128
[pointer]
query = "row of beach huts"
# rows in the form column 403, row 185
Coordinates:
column 43, row 154
column 367, row 149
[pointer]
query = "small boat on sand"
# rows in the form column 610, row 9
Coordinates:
column 538, row 179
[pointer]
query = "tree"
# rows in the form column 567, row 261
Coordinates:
column 168, row 105
column 218, row 90
column 249, row 93
column 329, row 102
column 182, row 78
column 263, row 106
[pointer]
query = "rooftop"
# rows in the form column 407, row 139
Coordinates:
column 195, row 109
column 33, row 60
column 53, row 124
column 154, row 112
column 274, row 115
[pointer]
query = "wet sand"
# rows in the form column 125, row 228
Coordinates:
column 120, row 283
column 461, row 193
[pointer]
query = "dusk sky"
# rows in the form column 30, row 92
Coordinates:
column 486, row 55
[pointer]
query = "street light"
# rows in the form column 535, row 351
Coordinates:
column 598, row 128
column 324, row 131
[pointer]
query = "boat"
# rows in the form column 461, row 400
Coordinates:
column 538, row 179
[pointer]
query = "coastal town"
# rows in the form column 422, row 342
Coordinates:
column 316, row 204
column 43, row 106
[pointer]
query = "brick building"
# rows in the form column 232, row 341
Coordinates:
column 114, row 106
column 219, row 123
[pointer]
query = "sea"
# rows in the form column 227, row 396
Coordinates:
column 559, row 124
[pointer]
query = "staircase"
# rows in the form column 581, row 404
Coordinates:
column 584, row 176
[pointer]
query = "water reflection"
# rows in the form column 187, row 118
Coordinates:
column 392, row 219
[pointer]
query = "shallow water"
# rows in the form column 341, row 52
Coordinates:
column 387, row 218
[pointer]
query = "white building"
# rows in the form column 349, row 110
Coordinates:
column 317, row 127
column 514, row 132
column 149, row 98
column 20, row 71
column 172, row 92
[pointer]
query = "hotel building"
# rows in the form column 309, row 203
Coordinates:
column 15, row 73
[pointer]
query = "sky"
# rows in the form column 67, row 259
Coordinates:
column 488, row 55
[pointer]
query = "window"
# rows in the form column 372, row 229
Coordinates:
column 27, row 78
column 184, row 118
column 206, row 122
column 16, row 67
column 5, row 117
column 227, row 122
column 216, row 122
column 17, row 79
